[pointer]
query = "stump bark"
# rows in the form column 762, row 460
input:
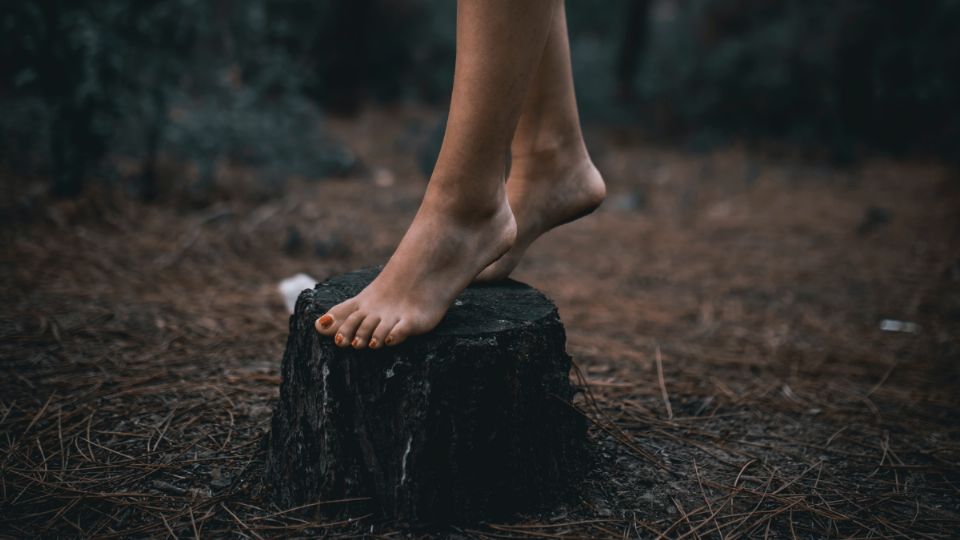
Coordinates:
column 471, row 421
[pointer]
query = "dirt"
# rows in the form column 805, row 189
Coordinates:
column 725, row 308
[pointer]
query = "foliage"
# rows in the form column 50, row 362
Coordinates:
column 873, row 73
column 72, row 69
column 198, row 80
column 209, row 80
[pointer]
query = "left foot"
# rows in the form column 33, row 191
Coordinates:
column 546, row 190
column 441, row 253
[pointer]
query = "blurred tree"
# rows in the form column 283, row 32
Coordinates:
column 213, row 80
column 56, row 51
column 90, row 63
column 871, row 73
column 633, row 42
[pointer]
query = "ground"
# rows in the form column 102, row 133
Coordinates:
column 724, row 307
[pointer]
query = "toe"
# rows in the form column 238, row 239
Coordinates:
column 330, row 322
column 364, row 331
column 347, row 330
column 380, row 334
column 399, row 333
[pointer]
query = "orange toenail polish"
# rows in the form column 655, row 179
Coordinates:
column 389, row 340
column 338, row 339
column 326, row 320
column 373, row 343
column 355, row 343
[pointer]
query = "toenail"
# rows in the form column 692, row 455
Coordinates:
column 338, row 339
column 389, row 340
column 373, row 343
column 325, row 321
column 355, row 343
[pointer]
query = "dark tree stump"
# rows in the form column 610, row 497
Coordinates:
column 471, row 421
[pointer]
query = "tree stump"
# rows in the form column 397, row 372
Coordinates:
column 471, row 421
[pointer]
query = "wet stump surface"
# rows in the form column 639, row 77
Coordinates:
column 471, row 421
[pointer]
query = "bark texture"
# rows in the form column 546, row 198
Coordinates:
column 471, row 421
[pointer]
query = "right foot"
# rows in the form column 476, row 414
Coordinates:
column 546, row 190
column 440, row 254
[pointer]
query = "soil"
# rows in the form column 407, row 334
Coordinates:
column 739, row 318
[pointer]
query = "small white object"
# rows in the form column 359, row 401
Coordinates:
column 383, row 177
column 893, row 325
column 291, row 288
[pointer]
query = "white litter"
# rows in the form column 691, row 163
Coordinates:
column 291, row 288
column 893, row 325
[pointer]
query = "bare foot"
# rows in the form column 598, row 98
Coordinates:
column 440, row 254
column 545, row 191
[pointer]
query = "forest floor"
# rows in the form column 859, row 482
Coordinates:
column 726, row 308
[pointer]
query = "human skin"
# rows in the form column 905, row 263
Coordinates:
column 512, row 92
column 552, row 179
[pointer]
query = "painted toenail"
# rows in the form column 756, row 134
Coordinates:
column 355, row 343
column 373, row 343
column 338, row 339
column 389, row 340
column 326, row 320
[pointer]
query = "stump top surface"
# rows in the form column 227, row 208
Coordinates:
column 479, row 309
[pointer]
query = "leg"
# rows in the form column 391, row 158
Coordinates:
column 464, row 222
column 552, row 179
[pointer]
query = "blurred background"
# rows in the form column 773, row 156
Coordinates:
column 121, row 91
column 768, row 301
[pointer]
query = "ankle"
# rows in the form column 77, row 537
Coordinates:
column 449, row 199
column 547, row 158
column 545, row 146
